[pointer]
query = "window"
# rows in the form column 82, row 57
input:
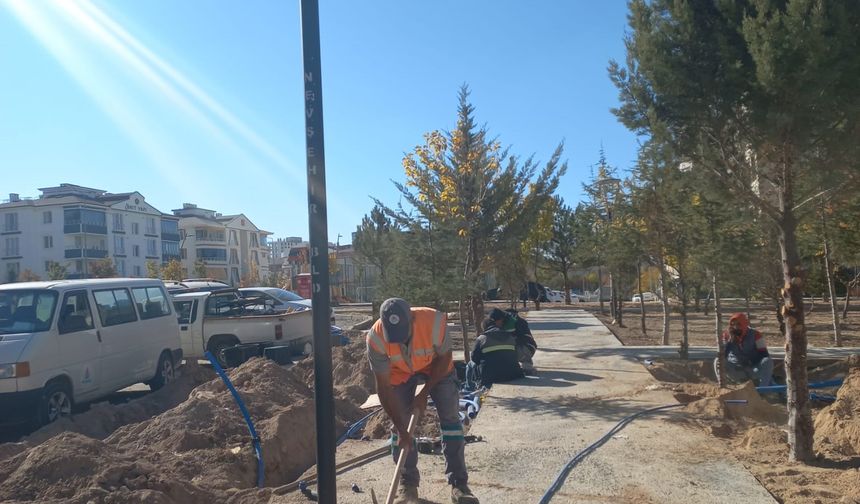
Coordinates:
column 151, row 302
column 120, row 266
column 210, row 254
column 254, row 242
column 48, row 265
column 75, row 313
column 47, row 217
column 26, row 310
column 137, row 271
column 234, row 238
column 118, row 222
column 183, row 253
column 13, row 270
column 12, row 249
column 135, row 250
column 10, row 221
column 150, row 225
column 119, row 245
column 234, row 256
column 114, row 307
column 222, row 305
column 79, row 266
column 135, row 228
column 186, row 311
column 49, row 241
column 151, row 248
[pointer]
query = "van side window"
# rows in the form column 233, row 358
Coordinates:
column 114, row 306
column 75, row 313
column 186, row 311
column 151, row 302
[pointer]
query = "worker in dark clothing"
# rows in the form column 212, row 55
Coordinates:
column 747, row 357
column 509, row 320
column 495, row 355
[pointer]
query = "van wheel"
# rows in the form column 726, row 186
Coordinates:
column 55, row 403
column 165, row 373
column 216, row 346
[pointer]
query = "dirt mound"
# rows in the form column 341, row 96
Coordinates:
column 202, row 445
column 711, row 402
column 81, row 469
column 837, row 427
column 680, row 371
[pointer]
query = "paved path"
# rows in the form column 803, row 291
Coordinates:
column 532, row 427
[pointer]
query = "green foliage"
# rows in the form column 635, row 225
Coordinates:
column 173, row 271
column 200, row 270
column 56, row 271
column 153, row 269
column 28, row 276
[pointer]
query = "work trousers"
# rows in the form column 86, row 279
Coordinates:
column 524, row 355
column 446, row 398
column 761, row 373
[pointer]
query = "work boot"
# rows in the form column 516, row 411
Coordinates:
column 460, row 494
column 530, row 372
column 406, row 494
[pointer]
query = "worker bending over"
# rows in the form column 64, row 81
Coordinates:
column 405, row 346
column 747, row 357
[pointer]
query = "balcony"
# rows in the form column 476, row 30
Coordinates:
column 174, row 237
column 84, row 228
column 88, row 253
column 166, row 258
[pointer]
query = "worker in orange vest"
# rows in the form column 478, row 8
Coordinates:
column 405, row 346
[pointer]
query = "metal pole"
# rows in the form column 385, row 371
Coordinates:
column 318, row 223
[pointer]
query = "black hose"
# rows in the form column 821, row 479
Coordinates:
column 579, row 457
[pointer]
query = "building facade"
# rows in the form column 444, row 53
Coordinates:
column 75, row 226
column 230, row 246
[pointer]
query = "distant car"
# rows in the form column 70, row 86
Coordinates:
column 280, row 300
column 646, row 296
column 575, row 298
column 554, row 296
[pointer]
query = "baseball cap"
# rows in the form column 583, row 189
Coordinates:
column 396, row 318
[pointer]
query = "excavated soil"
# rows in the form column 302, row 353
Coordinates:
column 198, row 451
column 756, row 432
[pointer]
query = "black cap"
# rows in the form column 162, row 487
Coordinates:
column 396, row 316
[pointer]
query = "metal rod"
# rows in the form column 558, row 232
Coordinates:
column 318, row 224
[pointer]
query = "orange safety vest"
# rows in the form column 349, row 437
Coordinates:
column 428, row 329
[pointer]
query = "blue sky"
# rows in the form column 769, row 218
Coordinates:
column 201, row 100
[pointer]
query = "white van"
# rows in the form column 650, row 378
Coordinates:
column 71, row 341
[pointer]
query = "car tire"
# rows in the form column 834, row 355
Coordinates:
column 218, row 344
column 56, row 402
column 165, row 373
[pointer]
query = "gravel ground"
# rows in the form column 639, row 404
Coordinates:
column 532, row 427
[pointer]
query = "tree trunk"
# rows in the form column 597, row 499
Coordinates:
column 708, row 303
column 718, row 333
column 684, row 351
column 747, row 303
column 641, row 298
column 600, row 288
column 564, row 276
column 464, row 326
column 664, row 298
column 800, row 428
column 837, row 332
column 477, row 312
column 612, row 304
column 845, row 306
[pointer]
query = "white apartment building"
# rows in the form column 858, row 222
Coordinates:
column 75, row 226
column 229, row 245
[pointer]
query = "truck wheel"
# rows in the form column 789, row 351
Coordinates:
column 216, row 345
column 165, row 372
column 56, row 402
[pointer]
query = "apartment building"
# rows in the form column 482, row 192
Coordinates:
column 75, row 226
column 229, row 245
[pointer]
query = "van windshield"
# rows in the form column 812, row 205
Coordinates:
column 26, row 310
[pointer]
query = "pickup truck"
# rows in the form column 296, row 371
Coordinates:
column 212, row 321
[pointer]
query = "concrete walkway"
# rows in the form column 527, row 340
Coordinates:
column 533, row 427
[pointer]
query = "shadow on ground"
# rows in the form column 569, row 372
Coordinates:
column 558, row 326
column 575, row 407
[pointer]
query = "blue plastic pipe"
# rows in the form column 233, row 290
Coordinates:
column 355, row 426
column 255, row 439
column 781, row 388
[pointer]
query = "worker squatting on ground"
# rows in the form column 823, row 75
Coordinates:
column 747, row 357
column 509, row 320
column 495, row 355
column 404, row 346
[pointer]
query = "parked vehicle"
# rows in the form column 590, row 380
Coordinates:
column 195, row 285
column 73, row 341
column 533, row 291
column 281, row 300
column 646, row 296
column 575, row 298
column 213, row 321
column 554, row 296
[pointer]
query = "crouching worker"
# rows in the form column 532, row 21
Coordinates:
column 747, row 357
column 405, row 346
column 526, row 345
column 495, row 355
